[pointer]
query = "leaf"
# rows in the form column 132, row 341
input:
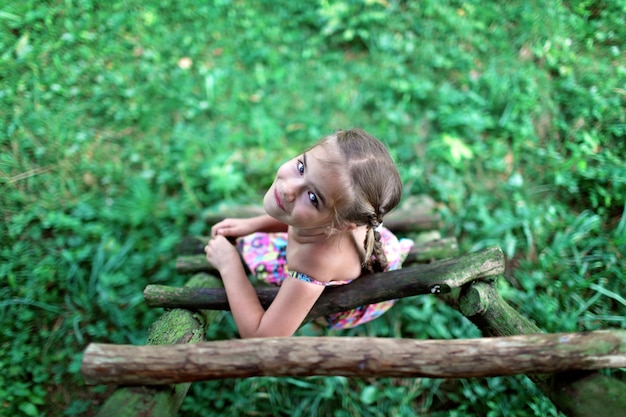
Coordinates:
column 22, row 47
column 9, row 16
column 369, row 394
column 458, row 149
column 28, row 409
column 608, row 293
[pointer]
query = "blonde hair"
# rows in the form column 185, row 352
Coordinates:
column 372, row 188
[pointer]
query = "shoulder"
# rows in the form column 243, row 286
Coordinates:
column 334, row 260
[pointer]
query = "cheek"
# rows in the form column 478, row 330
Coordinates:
column 269, row 203
column 267, row 197
column 304, row 210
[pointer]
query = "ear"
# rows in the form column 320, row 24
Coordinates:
column 348, row 227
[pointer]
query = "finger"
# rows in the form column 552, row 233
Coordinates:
column 217, row 226
column 219, row 229
column 224, row 231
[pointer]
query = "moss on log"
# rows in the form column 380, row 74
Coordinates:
column 576, row 394
column 193, row 260
column 435, row 278
column 484, row 306
column 173, row 327
column 588, row 394
column 432, row 250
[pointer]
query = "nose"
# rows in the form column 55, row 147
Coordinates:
column 290, row 190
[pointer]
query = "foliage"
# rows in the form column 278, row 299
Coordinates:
column 120, row 122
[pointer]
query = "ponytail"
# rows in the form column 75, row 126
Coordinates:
column 375, row 258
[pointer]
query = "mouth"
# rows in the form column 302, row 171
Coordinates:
column 278, row 202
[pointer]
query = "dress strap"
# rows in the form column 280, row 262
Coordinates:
column 306, row 278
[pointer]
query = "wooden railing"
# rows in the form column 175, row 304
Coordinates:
column 155, row 378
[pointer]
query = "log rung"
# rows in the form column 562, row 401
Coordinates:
column 354, row 356
column 437, row 277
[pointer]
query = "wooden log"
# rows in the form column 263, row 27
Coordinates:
column 432, row 250
column 576, row 394
column 174, row 327
column 193, row 260
column 415, row 213
column 587, row 394
column 436, row 278
column 190, row 264
column 213, row 216
column 354, row 356
column 485, row 307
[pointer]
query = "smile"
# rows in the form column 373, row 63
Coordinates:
column 278, row 202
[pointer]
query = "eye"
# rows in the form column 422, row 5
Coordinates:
column 313, row 199
column 300, row 167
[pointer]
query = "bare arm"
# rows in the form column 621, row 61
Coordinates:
column 242, row 227
column 286, row 313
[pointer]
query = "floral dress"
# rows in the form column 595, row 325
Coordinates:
column 266, row 256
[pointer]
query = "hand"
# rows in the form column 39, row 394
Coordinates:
column 221, row 253
column 233, row 228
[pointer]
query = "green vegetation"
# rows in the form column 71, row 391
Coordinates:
column 121, row 122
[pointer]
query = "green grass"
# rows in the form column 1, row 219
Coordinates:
column 511, row 114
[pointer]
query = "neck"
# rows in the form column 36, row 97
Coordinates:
column 311, row 234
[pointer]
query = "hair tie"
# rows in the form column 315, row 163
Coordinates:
column 379, row 227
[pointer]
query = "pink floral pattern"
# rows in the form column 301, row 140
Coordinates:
column 266, row 257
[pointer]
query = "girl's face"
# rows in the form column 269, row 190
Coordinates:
column 305, row 190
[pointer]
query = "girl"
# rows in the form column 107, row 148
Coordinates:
column 330, row 201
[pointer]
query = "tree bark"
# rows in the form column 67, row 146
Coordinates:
column 485, row 307
column 435, row 278
column 586, row 394
column 576, row 394
column 193, row 260
column 174, row 327
column 354, row 356
column 416, row 213
column 432, row 251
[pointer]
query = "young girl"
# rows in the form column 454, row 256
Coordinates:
column 324, row 216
